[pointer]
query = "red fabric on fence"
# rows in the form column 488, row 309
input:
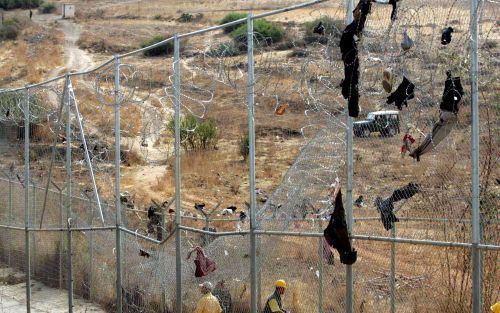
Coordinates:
column 203, row 264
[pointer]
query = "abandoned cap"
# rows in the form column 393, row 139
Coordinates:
column 207, row 285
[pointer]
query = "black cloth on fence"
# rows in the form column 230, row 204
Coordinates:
column 452, row 94
column 446, row 36
column 386, row 207
column 336, row 233
column 319, row 29
column 402, row 94
column 394, row 12
column 349, row 50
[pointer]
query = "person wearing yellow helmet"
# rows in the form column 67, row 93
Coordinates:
column 495, row 308
column 274, row 303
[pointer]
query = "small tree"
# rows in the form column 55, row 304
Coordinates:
column 234, row 16
column 245, row 146
column 206, row 134
column 195, row 134
column 163, row 49
column 47, row 8
column 265, row 32
column 10, row 29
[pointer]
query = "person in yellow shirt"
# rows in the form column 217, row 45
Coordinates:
column 495, row 308
column 208, row 303
column 273, row 303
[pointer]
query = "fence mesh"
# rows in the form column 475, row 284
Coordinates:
column 412, row 164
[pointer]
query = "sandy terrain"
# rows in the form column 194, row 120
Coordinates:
column 44, row 299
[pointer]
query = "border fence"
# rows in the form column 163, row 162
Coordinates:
column 78, row 238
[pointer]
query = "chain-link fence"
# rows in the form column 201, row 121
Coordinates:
column 211, row 155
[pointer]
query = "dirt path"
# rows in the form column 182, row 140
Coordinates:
column 75, row 59
column 43, row 298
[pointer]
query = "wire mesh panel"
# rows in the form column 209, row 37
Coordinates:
column 488, row 44
column 408, row 150
column 405, row 67
column 227, row 269
column 299, row 113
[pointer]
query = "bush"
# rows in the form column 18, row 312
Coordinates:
column 196, row 134
column 264, row 32
column 47, row 8
column 164, row 49
column 12, row 104
column 245, row 146
column 19, row 4
column 186, row 18
column 230, row 18
column 10, row 29
column 333, row 28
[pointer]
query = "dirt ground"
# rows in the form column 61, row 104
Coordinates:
column 43, row 299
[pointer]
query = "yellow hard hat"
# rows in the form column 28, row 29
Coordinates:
column 495, row 308
column 280, row 283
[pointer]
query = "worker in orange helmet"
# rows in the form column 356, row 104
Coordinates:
column 274, row 303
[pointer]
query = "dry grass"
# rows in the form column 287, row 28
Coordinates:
column 31, row 57
column 220, row 175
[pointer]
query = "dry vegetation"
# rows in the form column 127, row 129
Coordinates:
column 428, row 278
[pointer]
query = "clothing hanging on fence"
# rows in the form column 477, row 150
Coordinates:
column 446, row 35
column 386, row 207
column 453, row 92
column 349, row 50
column 203, row 264
column 319, row 29
column 394, row 12
column 336, row 233
column 403, row 93
column 407, row 42
column 388, row 80
column 408, row 140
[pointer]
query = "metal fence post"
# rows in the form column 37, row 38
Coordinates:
column 117, row 188
column 349, row 215
column 10, row 218
column 68, row 198
column 251, row 137
column 320, row 270
column 32, row 234
column 91, row 248
column 393, row 270
column 61, row 235
column 177, row 117
column 26, row 197
column 476, row 217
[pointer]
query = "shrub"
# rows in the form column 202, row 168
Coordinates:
column 47, row 8
column 265, row 32
column 230, row 18
column 244, row 146
column 164, row 49
column 10, row 29
column 195, row 134
column 206, row 134
column 333, row 28
column 19, row 4
column 12, row 104
column 186, row 18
